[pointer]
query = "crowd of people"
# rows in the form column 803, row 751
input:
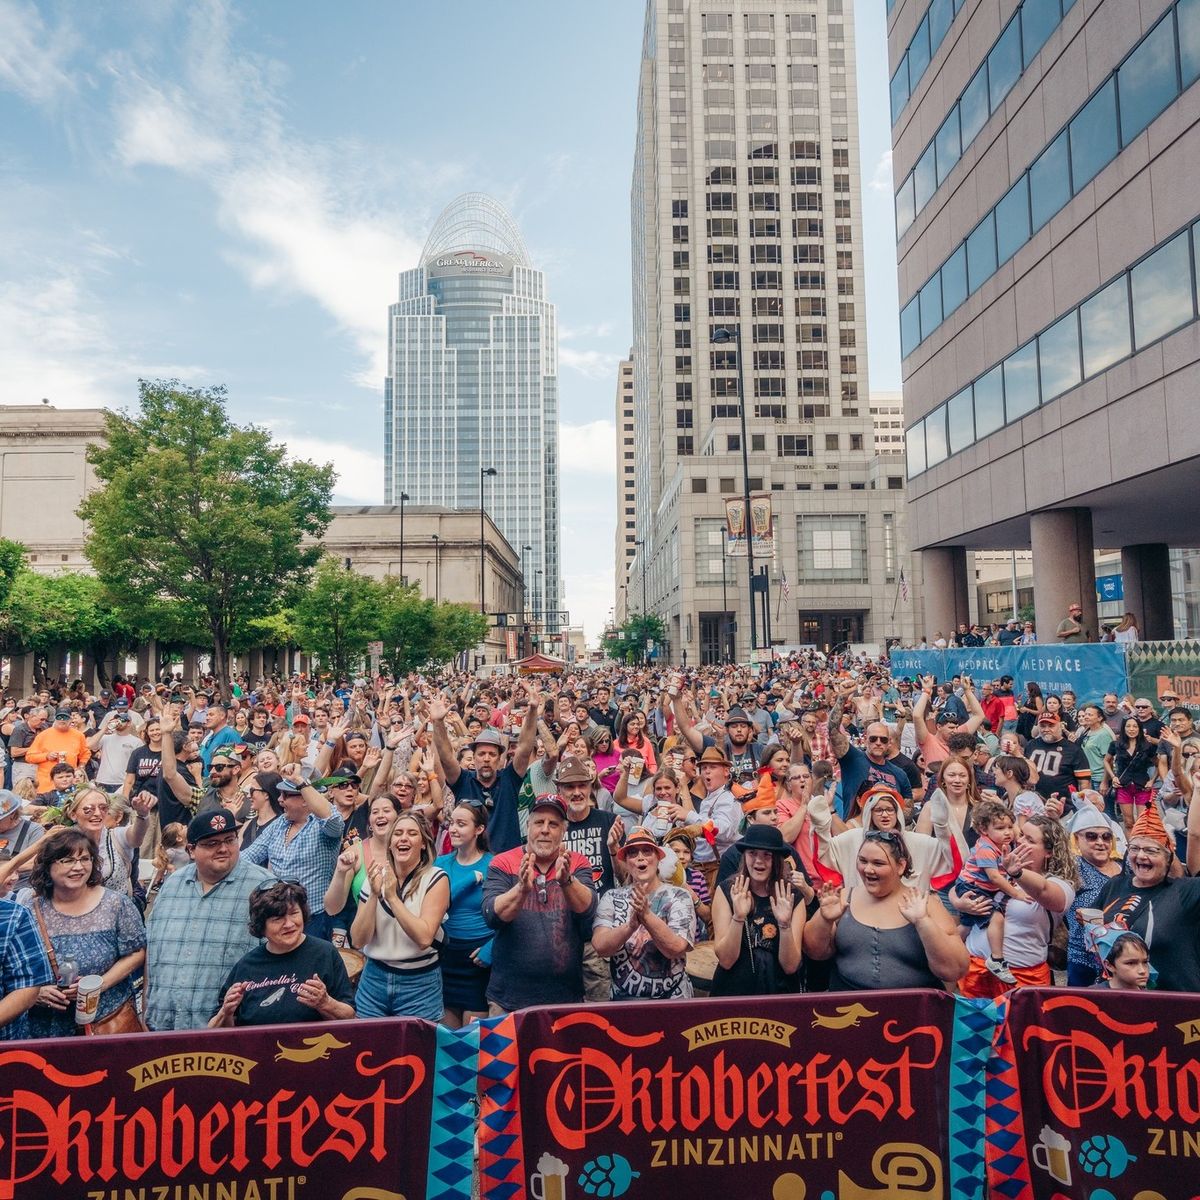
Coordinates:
column 447, row 847
column 1019, row 631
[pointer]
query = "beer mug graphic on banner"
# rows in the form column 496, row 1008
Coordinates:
column 1052, row 1152
column 549, row 1182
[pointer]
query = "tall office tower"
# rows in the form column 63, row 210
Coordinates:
column 747, row 220
column 1045, row 164
column 625, row 549
column 472, row 384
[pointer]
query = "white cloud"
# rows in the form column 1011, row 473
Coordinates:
column 33, row 59
column 604, row 329
column 304, row 216
column 359, row 472
column 881, row 178
column 589, row 448
column 593, row 364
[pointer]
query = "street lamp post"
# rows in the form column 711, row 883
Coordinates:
column 640, row 543
column 524, row 595
column 437, row 569
column 403, row 498
column 484, row 473
column 721, row 336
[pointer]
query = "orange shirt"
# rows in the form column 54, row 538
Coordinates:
column 44, row 749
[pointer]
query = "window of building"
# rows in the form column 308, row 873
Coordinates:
column 1147, row 79
column 767, row 333
column 683, row 392
column 1004, row 63
column 1188, row 14
column 685, row 446
column 1058, row 357
column 1105, row 327
column 961, row 421
column 699, row 485
column 722, row 175
column 1012, row 220
column 679, row 208
column 1093, row 135
column 793, row 445
column 1162, row 292
column 725, row 486
column 764, row 149
column 679, row 233
column 722, row 227
column 989, row 403
column 832, row 441
column 723, row 306
column 833, row 547
column 710, row 550
column 683, row 312
column 856, row 441
column 1021, row 382
column 954, row 281
column 767, row 306
column 1049, row 183
column 936, row 447
column 723, row 280
column 720, row 201
column 683, row 339
column 981, row 252
column 895, row 483
column 758, row 441
column 683, row 418
column 764, row 227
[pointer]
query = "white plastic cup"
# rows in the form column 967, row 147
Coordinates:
column 87, row 999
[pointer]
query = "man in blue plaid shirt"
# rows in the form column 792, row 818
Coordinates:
column 24, row 968
column 199, row 926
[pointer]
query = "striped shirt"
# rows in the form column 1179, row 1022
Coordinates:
column 194, row 938
column 23, row 961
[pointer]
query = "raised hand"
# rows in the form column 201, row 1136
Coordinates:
column 1017, row 858
column 637, row 905
column 832, row 902
column 783, row 902
column 437, row 708
column 525, row 876
column 562, row 869
column 372, row 758
column 913, row 904
column 348, row 860
column 740, row 897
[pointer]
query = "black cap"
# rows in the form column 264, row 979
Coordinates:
column 762, row 837
column 62, row 714
column 210, row 824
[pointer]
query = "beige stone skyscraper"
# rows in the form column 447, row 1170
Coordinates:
column 747, row 224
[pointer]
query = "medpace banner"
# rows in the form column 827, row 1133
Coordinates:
column 791, row 1098
column 1089, row 670
column 288, row 1112
column 1096, row 1096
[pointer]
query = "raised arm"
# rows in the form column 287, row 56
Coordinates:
column 527, row 738
column 683, row 720
column 438, row 710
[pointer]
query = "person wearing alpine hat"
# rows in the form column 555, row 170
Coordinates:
column 646, row 928
column 758, row 920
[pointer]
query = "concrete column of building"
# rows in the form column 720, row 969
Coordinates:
column 255, row 668
column 20, row 675
column 147, row 660
column 87, row 671
column 946, row 592
column 189, row 664
column 1064, row 569
column 1146, row 575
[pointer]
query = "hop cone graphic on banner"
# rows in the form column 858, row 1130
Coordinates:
column 1105, row 1156
column 607, row 1175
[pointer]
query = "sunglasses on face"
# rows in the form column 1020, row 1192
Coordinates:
column 1094, row 835
column 268, row 884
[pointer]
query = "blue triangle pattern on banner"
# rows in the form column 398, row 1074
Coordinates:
column 452, row 1173
column 459, row 1074
column 1003, row 1139
column 455, row 1122
column 1010, row 1187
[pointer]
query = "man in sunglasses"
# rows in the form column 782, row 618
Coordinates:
column 181, row 791
column 859, row 767
column 197, row 928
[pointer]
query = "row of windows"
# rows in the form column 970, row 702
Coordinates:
column 924, row 45
column 1150, row 300
column 1164, row 62
column 1015, row 48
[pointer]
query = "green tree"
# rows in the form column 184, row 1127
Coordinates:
column 337, row 614
column 72, row 610
column 628, row 642
column 12, row 561
column 417, row 633
column 200, row 520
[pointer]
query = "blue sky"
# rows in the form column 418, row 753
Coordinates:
column 225, row 193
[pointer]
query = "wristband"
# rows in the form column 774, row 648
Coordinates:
column 739, row 920
column 1017, row 877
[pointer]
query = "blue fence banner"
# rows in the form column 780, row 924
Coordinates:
column 1088, row 669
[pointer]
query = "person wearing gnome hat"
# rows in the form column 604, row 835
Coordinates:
column 1094, row 835
column 646, row 928
column 1162, row 908
column 758, row 920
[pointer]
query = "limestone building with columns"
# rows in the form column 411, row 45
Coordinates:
column 44, row 475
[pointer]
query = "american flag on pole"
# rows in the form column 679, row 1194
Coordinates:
column 903, row 586
column 783, row 586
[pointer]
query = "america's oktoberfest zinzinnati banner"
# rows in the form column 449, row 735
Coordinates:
column 1046, row 1095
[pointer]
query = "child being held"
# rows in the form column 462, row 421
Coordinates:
column 982, row 874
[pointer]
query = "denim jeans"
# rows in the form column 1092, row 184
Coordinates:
column 384, row 993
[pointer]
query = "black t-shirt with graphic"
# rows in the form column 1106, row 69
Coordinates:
column 274, row 979
column 1058, row 765
column 589, row 837
column 145, row 765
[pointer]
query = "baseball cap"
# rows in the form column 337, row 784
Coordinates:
column 301, row 719
column 121, row 705
column 1048, row 719
column 549, row 800
column 62, row 714
column 224, row 755
column 210, row 824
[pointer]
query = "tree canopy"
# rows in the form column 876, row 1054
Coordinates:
column 629, row 642
column 199, row 520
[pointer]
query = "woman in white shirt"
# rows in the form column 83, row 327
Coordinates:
column 399, row 917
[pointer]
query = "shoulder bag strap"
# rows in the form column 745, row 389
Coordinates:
column 37, row 912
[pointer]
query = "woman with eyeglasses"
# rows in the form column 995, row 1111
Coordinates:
column 91, row 809
column 87, row 929
column 465, row 950
column 881, row 933
column 1131, row 763
column 292, row 976
column 1094, row 838
column 399, row 918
